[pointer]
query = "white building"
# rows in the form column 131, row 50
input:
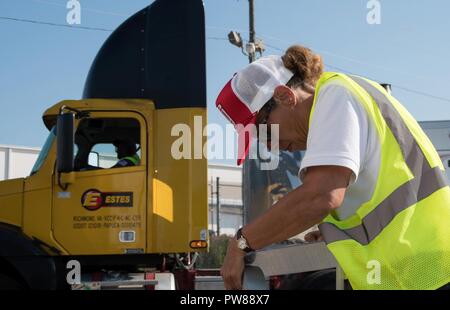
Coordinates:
column 17, row 161
column 230, row 198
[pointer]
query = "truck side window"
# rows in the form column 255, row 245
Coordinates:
column 105, row 143
column 44, row 151
column 105, row 156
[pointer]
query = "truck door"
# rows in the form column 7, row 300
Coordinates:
column 104, row 210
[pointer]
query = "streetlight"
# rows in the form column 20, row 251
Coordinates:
column 235, row 38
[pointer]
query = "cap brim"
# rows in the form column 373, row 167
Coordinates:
column 244, row 140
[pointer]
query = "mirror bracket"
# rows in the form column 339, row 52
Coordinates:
column 78, row 113
column 65, row 179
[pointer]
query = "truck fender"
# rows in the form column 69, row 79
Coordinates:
column 31, row 262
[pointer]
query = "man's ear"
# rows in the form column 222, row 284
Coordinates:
column 285, row 96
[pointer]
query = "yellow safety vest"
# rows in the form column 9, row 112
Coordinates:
column 400, row 238
column 134, row 159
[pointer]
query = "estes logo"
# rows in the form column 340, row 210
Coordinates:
column 93, row 199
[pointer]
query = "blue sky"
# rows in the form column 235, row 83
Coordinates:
column 41, row 65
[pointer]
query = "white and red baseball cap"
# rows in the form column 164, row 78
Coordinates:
column 247, row 92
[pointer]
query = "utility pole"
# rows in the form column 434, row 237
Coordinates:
column 218, row 205
column 211, row 210
column 252, row 35
column 253, row 45
column 251, row 48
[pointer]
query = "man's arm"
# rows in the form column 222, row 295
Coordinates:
column 322, row 192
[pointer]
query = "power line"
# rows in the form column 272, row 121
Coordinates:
column 421, row 93
column 406, row 89
column 217, row 38
column 31, row 21
column 327, row 65
column 274, row 47
column 417, row 92
column 246, row 31
column 53, row 24
column 324, row 52
column 84, row 8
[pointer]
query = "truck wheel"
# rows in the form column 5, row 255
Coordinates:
column 8, row 283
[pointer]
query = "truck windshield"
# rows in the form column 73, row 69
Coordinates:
column 44, row 152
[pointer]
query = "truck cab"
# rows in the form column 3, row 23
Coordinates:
column 75, row 205
column 96, row 209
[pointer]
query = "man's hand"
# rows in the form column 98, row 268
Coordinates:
column 233, row 266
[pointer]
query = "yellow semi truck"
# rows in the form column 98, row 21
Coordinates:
column 148, row 77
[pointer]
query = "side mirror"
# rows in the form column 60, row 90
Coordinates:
column 64, row 142
column 94, row 159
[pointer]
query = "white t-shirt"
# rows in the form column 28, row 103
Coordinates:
column 342, row 134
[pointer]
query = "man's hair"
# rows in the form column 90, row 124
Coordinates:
column 307, row 67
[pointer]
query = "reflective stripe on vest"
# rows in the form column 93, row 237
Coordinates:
column 426, row 180
column 134, row 159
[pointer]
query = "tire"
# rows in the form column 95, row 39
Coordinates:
column 8, row 283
